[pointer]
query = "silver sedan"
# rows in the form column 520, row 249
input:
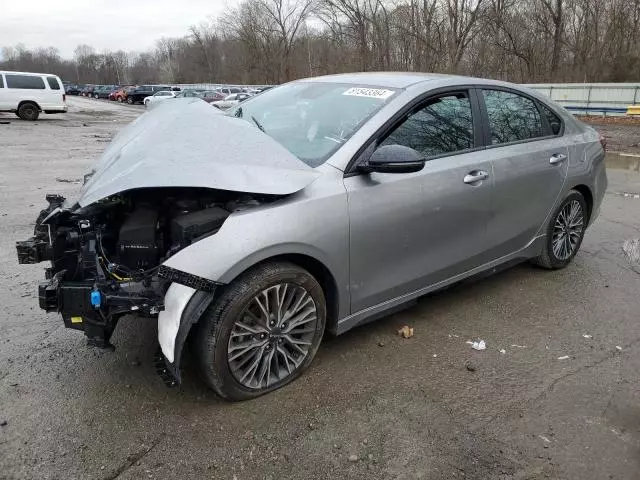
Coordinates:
column 316, row 206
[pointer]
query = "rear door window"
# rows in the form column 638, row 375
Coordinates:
column 28, row 82
column 53, row 83
column 443, row 125
column 1, row 82
column 512, row 117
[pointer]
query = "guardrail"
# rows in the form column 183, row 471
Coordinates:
column 602, row 98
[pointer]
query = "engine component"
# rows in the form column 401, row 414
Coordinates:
column 137, row 246
column 185, row 228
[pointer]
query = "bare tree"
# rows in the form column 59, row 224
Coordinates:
column 272, row 41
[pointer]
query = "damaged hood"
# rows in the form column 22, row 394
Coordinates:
column 188, row 143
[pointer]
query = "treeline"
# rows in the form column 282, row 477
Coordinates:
column 273, row 41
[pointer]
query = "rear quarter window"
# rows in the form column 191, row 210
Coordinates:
column 53, row 83
column 1, row 82
column 554, row 121
column 28, row 82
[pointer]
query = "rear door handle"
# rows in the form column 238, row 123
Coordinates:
column 474, row 177
column 557, row 158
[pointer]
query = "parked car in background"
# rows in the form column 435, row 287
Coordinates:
column 190, row 93
column 103, row 91
column 230, row 100
column 209, row 96
column 87, row 90
column 28, row 94
column 138, row 94
column 73, row 89
column 250, row 239
column 120, row 95
column 159, row 96
column 222, row 92
column 112, row 93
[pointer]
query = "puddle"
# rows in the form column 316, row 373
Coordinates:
column 621, row 161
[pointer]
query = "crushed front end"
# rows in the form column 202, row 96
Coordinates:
column 106, row 258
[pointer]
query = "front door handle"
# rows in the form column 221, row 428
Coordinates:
column 557, row 158
column 474, row 177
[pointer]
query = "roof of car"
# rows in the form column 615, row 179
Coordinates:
column 381, row 79
column 8, row 72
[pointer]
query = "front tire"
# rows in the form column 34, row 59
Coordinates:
column 130, row 100
column 29, row 111
column 262, row 332
column 565, row 232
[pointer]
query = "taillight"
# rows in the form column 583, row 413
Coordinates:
column 603, row 141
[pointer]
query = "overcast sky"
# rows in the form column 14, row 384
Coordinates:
column 103, row 24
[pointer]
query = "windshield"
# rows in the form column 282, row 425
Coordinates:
column 312, row 120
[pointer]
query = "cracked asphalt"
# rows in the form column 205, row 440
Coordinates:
column 373, row 405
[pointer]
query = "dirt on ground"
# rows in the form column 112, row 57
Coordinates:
column 556, row 393
column 622, row 133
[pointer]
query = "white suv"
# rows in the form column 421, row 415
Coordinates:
column 28, row 94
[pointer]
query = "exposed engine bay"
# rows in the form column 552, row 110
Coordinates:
column 106, row 258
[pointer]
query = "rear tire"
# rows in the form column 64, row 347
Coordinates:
column 279, row 341
column 96, row 96
column 565, row 232
column 28, row 111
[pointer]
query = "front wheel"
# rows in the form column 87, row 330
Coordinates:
column 565, row 232
column 262, row 332
column 130, row 100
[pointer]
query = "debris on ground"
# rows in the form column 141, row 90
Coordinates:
column 543, row 438
column 406, row 332
column 565, row 357
column 631, row 249
column 587, row 336
column 618, row 347
column 503, row 351
column 519, row 346
column 353, row 458
column 381, row 344
column 470, row 366
column 478, row 344
column 68, row 180
column 3, row 423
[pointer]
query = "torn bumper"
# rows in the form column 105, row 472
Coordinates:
column 183, row 308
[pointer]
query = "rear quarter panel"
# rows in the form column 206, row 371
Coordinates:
column 586, row 163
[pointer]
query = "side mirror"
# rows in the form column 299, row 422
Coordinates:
column 393, row 159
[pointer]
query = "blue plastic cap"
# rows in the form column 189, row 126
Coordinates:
column 96, row 298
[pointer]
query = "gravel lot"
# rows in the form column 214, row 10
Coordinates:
column 373, row 405
column 622, row 133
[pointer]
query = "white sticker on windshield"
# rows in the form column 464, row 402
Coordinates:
column 369, row 92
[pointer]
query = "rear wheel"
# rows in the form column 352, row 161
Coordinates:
column 28, row 111
column 565, row 232
column 262, row 332
column 130, row 100
column 96, row 96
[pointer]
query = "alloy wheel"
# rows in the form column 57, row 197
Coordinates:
column 567, row 230
column 272, row 336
